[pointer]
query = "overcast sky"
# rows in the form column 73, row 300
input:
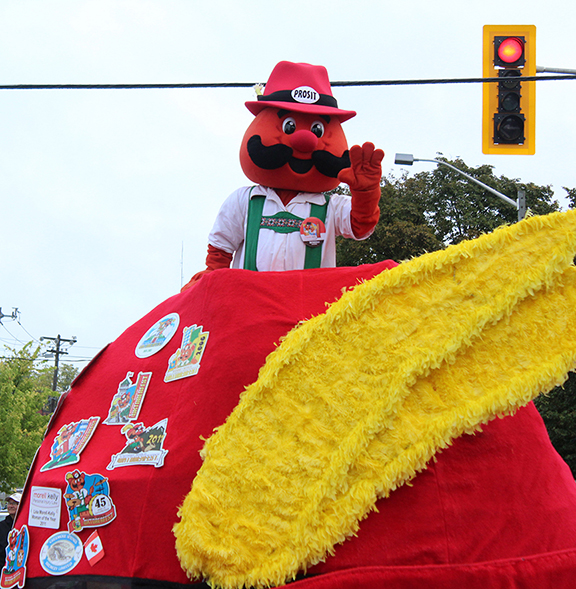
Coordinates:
column 108, row 196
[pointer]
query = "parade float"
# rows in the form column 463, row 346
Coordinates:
column 318, row 426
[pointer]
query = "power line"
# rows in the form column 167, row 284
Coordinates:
column 27, row 332
column 69, row 360
column 122, row 86
column 16, row 340
column 358, row 83
column 449, row 81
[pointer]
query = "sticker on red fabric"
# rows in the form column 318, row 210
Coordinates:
column 44, row 511
column 144, row 446
column 126, row 403
column 14, row 570
column 186, row 360
column 61, row 553
column 157, row 336
column 69, row 442
column 88, row 500
column 93, row 549
column 312, row 231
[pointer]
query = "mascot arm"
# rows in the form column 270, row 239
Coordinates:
column 363, row 177
column 215, row 260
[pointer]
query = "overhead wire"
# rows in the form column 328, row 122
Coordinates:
column 14, row 338
column 565, row 76
column 18, row 342
column 27, row 332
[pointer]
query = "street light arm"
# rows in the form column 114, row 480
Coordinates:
column 554, row 70
column 485, row 186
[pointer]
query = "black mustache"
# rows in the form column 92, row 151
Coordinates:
column 275, row 156
column 328, row 164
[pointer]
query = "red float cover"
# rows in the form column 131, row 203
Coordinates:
column 496, row 509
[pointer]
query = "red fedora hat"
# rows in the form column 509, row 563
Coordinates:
column 299, row 87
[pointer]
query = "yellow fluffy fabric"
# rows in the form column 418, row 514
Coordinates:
column 355, row 402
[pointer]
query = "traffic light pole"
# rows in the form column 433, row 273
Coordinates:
column 407, row 159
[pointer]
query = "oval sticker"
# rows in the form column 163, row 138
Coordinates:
column 305, row 95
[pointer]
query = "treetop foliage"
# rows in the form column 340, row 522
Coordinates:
column 22, row 422
column 25, row 387
column 432, row 210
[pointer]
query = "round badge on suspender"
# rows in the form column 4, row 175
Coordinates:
column 312, row 231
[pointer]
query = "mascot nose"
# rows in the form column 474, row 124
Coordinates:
column 304, row 141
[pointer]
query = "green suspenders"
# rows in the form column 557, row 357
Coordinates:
column 282, row 222
column 255, row 208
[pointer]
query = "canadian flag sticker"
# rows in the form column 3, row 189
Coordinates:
column 93, row 548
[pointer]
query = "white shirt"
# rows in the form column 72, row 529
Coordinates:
column 279, row 251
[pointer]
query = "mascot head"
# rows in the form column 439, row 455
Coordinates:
column 296, row 141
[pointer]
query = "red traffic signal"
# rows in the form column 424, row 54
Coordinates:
column 509, row 105
column 509, row 51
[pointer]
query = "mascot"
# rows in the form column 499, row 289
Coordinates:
column 288, row 422
column 295, row 150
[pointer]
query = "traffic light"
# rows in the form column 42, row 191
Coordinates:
column 509, row 105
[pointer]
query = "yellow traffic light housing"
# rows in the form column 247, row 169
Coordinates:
column 509, row 105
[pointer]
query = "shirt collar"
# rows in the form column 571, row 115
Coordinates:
column 317, row 198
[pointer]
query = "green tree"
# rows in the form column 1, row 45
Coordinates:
column 22, row 420
column 66, row 374
column 459, row 209
column 435, row 209
column 558, row 410
column 571, row 194
column 402, row 232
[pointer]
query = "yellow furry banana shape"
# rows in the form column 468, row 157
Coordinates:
column 408, row 361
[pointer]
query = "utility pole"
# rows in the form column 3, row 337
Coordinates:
column 13, row 316
column 57, row 351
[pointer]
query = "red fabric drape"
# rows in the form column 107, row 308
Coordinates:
column 496, row 509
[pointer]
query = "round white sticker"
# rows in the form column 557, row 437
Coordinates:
column 305, row 95
column 61, row 553
column 157, row 336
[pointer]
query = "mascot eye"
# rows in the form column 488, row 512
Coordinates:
column 318, row 129
column 289, row 126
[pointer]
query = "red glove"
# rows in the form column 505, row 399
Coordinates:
column 363, row 177
column 215, row 260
